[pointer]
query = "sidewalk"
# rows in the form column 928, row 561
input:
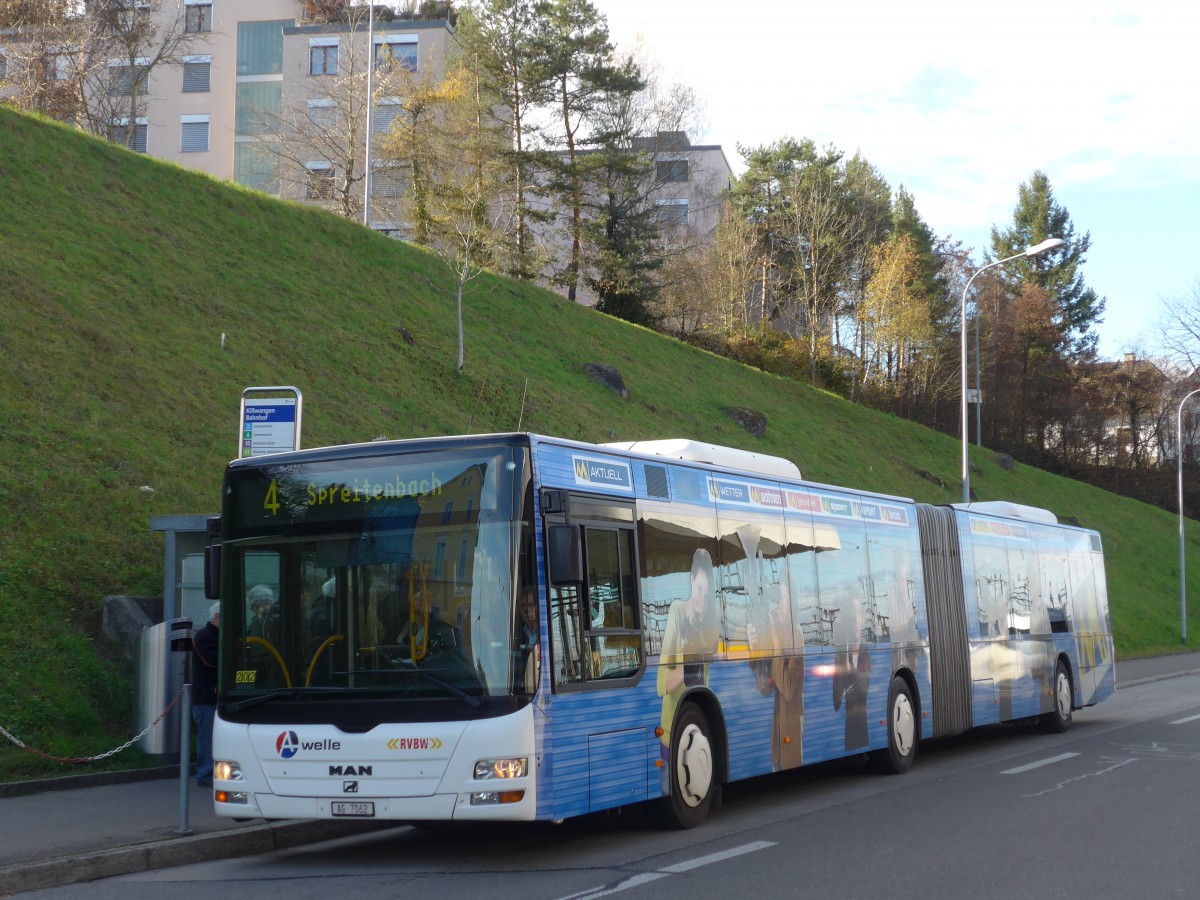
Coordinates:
column 76, row 829
column 68, row 830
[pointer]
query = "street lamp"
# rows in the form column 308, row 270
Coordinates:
column 370, row 88
column 1035, row 250
column 1182, row 571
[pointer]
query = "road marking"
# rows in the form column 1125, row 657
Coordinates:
column 686, row 866
column 1037, row 765
column 1184, row 721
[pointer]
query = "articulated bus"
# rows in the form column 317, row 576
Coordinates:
column 517, row 627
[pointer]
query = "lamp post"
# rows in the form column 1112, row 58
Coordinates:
column 1182, row 563
column 370, row 88
column 1035, row 250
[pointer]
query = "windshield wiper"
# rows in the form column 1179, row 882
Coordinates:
column 453, row 689
column 239, row 705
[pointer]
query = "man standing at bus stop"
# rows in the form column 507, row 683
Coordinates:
column 204, row 694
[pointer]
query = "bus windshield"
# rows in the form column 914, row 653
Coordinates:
column 389, row 575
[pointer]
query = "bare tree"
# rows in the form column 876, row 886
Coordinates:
column 1179, row 325
column 90, row 63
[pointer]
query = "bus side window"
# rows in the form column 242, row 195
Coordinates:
column 614, row 642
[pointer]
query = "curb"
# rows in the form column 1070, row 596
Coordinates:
column 1149, row 678
column 81, row 867
column 84, row 780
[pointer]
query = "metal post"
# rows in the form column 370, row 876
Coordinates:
column 1182, row 555
column 1037, row 249
column 978, row 387
column 370, row 89
column 185, row 755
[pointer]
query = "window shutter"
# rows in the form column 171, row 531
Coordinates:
column 195, row 137
column 196, row 77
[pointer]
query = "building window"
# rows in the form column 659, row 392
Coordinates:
column 672, row 170
column 671, row 212
column 256, row 164
column 121, row 78
column 197, row 74
column 395, row 53
column 260, row 47
column 195, row 134
column 58, row 67
column 318, row 184
column 322, row 114
column 385, row 113
column 257, row 107
column 390, row 182
column 198, row 18
column 135, row 139
column 323, row 60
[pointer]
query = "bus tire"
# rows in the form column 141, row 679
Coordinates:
column 897, row 758
column 1058, row 719
column 693, row 773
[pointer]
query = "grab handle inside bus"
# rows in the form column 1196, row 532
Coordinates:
column 565, row 554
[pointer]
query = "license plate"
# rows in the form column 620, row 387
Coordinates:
column 359, row 809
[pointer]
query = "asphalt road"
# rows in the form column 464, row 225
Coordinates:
column 1107, row 810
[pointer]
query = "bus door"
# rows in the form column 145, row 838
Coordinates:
column 595, row 644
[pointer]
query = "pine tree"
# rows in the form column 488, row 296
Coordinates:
column 1039, row 216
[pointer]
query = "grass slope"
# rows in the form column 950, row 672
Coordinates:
column 118, row 277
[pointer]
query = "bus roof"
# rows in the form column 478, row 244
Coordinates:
column 713, row 454
column 1012, row 510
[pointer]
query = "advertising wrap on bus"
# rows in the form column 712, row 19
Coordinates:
column 520, row 627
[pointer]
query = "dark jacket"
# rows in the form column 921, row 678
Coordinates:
column 204, row 666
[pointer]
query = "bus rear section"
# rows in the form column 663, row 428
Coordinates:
column 1018, row 616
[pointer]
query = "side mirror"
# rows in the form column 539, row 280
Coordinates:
column 564, row 554
column 212, row 560
column 212, row 572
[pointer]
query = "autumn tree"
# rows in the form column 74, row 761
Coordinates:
column 894, row 317
column 468, row 216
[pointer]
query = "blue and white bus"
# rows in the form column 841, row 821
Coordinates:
column 518, row 627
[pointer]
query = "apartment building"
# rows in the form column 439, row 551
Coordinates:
column 689, row 186
column 244, row 75
column 263, row 93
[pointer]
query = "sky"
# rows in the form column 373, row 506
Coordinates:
column 960, row 103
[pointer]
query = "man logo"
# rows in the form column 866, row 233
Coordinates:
column 287, row 744
column 349, row 787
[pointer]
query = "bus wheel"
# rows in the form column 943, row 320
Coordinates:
column 901, row 750
column 1058, row 719
column 692, row 773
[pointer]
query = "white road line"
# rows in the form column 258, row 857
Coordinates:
column 716, row 857
column 1037, row 765
column 1184, row 721
column 677, row 868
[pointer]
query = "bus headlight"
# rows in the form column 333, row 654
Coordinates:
column 510, row 767
column 227, row 770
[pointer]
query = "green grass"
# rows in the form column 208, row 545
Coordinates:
column 118, row 276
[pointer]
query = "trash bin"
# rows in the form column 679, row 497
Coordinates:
column 159, row 677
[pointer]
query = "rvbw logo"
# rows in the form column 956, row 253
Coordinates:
column 287, row 744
